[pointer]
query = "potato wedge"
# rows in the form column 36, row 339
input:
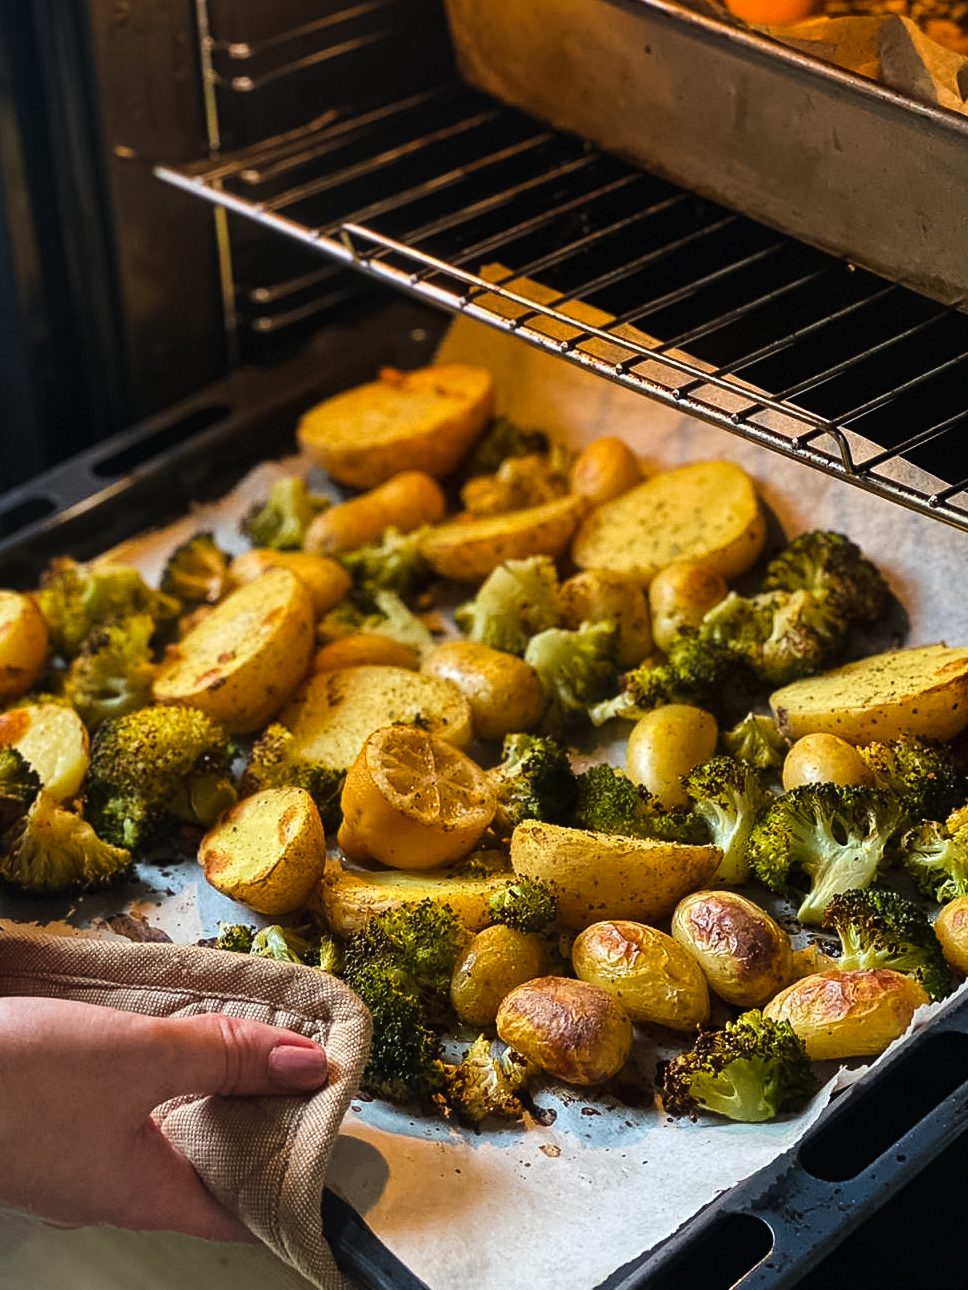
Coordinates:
column 333, row 714
column 328, row 582
column 23, row 644
column 706, row 511
column 919, row 691
column 243, row 660
column 468, row 550
column 268, row 851
column 599, row 875
column 348, row 897
column 53, row 738
column 421, row 420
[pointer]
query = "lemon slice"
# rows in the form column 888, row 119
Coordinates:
column 413, row 801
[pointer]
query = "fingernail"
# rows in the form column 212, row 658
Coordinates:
column 302, row 1068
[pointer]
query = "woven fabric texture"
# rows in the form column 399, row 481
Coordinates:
column 265, row 1158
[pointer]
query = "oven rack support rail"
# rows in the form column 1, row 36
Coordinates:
column 338, row 186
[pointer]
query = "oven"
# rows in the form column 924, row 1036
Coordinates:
column 217, row 212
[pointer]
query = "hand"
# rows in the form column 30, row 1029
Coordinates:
column 78, row 1084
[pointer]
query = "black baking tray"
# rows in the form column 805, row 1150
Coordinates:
column 870, row 1182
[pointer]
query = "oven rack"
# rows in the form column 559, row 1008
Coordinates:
column 450, row 196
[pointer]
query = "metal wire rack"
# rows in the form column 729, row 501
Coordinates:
column 485, row 211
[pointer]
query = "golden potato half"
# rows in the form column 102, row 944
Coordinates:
column 243, row 661
column 421, row 420
column 348, row 897
column 707, row 511
column 468, row 550
column 23, row 644
column 268, row 851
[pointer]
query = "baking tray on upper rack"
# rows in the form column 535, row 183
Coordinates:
column 833, row 158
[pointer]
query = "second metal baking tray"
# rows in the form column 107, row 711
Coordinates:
column 833, row 158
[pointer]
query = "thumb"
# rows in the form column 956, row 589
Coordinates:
column 233, row 1057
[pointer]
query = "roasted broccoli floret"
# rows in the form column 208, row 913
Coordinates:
column 328, row 955
column 607, row 801
column 484, row 1084
column 236, row 937
column 197, row 570
column 75, row 598
column 400, row 964
column 504, row 438
column 534, row 780
column 281, row 521
column 699, row 672
column 830, row 566
column 832, row 836
column 756, row 740
column 276, row 762
column 113, row 673
column 577, row 670
column 929, row 777
column 879, row 928
column 935, row 854
column 525, row 905
column 517, row 483
column 379, row 611
column 729, row 796
column 156, row 767
column 51, row 849
column 516, row 601
column 752, row 1070
column 395, row 563
column 284, row 944
column 19, row 785
column 781, row 635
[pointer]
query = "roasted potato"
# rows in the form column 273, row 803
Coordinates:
column 666, row 744
column 505, row 692
column 571, row 1029
column 951, row 929
column 596, row 595
column 54, row 739
column 327, row 581
column 745, row 954
column 23, row 644
column 920, row 691
column 680, row 595
column 467, row 550
column 365, row 649
column 243, row 661
column 654, row 978
column 268, row 851
column 848, row 1014
column 422, row 420
column 824, row 758
column 604, row 470
column 598, row 875
column 707, row 511
column 405, row 502
column 497, row 960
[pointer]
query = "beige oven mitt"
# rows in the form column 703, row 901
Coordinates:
column 265, row 1158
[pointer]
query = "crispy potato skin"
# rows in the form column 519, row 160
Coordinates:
column 505, row 693
column 744, row 953
column 493, row 964
column 576, row 1031
column 951, row 929
column 848, row 1014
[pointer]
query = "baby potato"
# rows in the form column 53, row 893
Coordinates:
column 497, row 960
column 951, row 929
column 820, row 758
column 365, row 649
column 571, row 1029
column 244, row 660
column 848, row 1014
column 597, row 595
column 54, row 739
column 23, row 644
column 267, row 851
column 745, row 954
column 680, row 595
column 405, row 501
column 665, row 745
column 328, row 582
column 605, row 469
column 505, row 693
column 650, row 974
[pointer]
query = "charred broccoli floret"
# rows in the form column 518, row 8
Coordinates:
column 197, row 570
column 19, row 785
column 516, row 601
column 752, row 1070
column 929, row 777
column 729, row 796
column 75, row 598
column 525, row 905
column 284, row 944
column 484, row 1084
column 756, row 740
column 534, row 780
column 236, row 937
column 281, row 521
column 517, row 483
column 113, row 673
column 935, row 854
column 830, row 566
column 607, row 801
column 502, row 439
column 576, row 669
column 831, row 835
column 275, row 761
column 699, row 672
column 155, row 767
column 395, row 563
column 782, row 635
column 51, row 849
column 879, row 928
